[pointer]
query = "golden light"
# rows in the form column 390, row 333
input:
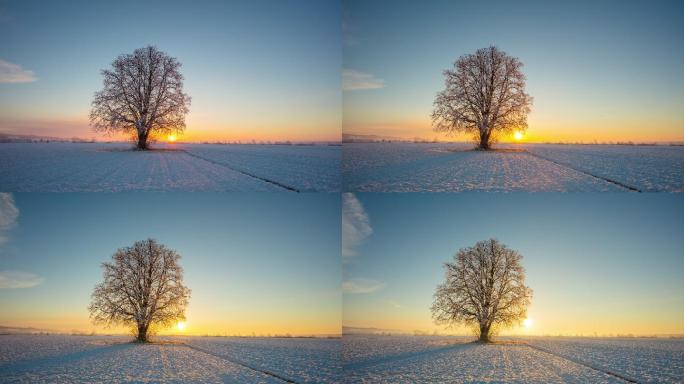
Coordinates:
column 528, row 323
column 518, row 135
column 171, row 138
column 180, row 326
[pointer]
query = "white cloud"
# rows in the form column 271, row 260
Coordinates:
column 8, row 211
column 8, row 219
column 8, row 214
column 353, row 80
column 18, row 279
column 355, row 225
column 361, row 285
column 14, row 73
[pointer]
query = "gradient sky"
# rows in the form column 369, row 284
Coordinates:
column 266, row 263
column 598, row 70
column 604, row 263
column 265, row 69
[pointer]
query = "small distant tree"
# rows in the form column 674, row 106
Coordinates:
column 142, row 288
column 484, row 95
column 484, row 287
column 142, row 95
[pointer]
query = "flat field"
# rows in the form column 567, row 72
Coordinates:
column 431, row 359
column 437, row 167
column 114, row 167
column 112, row 359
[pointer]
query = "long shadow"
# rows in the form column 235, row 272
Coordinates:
column 407, row 356
column 51, row 361
column 357, row 179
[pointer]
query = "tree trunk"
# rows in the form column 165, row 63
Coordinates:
column 142, row 334
column 484, row 333
column 484, row 141
column 142, row 142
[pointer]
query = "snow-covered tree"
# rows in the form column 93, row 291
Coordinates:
column 484, row 287
column 142, row 288
column 142, row 95
column 484, row 95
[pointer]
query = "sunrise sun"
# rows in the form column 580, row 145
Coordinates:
column 171, row 138
column 518, row 135
column 180, row 326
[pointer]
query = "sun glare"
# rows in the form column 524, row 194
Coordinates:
column 518, row 135
column 180, row 326
column 527, row 323
column 171, row 139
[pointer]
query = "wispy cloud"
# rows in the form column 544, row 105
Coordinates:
column 353, row 80
column 361, row 285
column 356, row 225
column 8, row 215
column 14, row 73
column 18, row 279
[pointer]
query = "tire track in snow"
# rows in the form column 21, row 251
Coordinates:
column 619, row 184
column 269, row 373
column 281, row 185
column 576, row 361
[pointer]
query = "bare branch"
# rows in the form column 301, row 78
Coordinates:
column 484, row 95
column 484, row 287
column 142, row 287
column 142, row 95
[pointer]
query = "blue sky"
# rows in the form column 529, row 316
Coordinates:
column 265, row 69
column 610, row 70
column 605, row 263
column 264, row 263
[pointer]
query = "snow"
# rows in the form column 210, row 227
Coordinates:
column 301, row 360
column 643, row 360
column 434, row 359
column 89, row 359
column 305, row 167
column 113, row 167
column 439, row 167
column 357, row 358
column 648, row 168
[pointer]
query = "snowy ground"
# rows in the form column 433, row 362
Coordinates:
column 112, row 167
column 426, row 359
column 407, row 167
column 102, row 359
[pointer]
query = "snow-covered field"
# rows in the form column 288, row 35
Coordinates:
column 641, row 360
column 408, row 167
column 430, row 359
column 113, row 167
column 112, row 359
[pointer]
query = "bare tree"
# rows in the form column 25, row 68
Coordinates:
column 484, row 95
column 142, row 288
column 484, row 288
column 142, row 95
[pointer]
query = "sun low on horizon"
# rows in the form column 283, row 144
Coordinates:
column 518, row 135
column 528, row 323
